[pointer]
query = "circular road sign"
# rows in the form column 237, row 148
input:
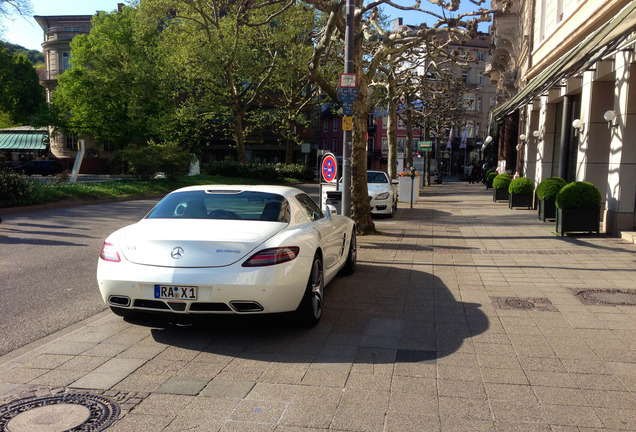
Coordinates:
column 329, row 168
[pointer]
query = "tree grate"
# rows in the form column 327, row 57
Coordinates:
column 516, row 303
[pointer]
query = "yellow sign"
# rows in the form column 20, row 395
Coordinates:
column 347, row 123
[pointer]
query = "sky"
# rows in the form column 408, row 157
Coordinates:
column 25, row 31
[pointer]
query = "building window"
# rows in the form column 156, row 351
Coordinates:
column 400, row 123
column 325, row 125
column 70, row 141
column 385, row 122
column 324, row 144
column 66, row 60
column 478, row 104
column 335, row 124
column 465, row 76
column 480, row 56
column 469, row 101
column 334, row 145
column 480, row 77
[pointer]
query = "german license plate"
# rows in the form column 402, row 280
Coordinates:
column 175, row 292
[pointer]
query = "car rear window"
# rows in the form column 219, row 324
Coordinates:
column 222, row 204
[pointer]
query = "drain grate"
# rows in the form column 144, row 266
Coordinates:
column 606, row 297
column 100, row 411
column 516, row 303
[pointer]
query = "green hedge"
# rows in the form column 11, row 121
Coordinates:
column 274, row 173
column 550, row 187
column 578, row 195
column 15, row 189
column 521, row 185
column 501, row 181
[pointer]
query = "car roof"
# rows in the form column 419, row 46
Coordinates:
column 286, row 191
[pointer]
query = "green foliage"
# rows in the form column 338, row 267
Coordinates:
column 116, row 89
column 271, row 173
column 145, row 162
column 14, row 189
column 550, row 187
column 578, row 196
column 521, row 185
column 35, row 57
column 21, row 95
column 501, row 181
column 490, row 176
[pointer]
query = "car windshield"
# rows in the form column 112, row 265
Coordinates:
column 376, row 177
column 222, row 204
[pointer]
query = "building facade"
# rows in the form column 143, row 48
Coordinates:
column 565, row 75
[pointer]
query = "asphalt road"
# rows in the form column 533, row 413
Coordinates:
column 48, row 260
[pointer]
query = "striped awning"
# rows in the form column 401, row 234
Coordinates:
column 23, row 141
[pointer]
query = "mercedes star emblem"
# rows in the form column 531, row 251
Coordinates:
column 177, row 253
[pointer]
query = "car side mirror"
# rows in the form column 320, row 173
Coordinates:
column 331, row 210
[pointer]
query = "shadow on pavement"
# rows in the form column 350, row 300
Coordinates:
column 382, row 314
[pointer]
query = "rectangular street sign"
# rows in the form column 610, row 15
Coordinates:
column 347, row 123
column 347, row 108
column 425, row 145
column 348, row 80
column 347, row 94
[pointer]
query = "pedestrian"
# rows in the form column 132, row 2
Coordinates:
column 484, row 172
column 471, row 172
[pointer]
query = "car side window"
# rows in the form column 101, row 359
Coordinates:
column 310, row 207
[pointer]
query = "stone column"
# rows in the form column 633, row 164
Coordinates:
column 621, row 178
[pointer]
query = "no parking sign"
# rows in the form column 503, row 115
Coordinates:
column 329, row 168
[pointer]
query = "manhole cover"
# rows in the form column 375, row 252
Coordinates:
column 614, row 297
column 64, row 412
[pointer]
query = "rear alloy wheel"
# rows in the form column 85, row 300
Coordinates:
column 310, row 309
column 352, row 257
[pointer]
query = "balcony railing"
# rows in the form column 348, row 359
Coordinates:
column 54, row 34
column 50, row 75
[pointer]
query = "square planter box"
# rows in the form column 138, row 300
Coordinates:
column 488, row 184
column 407, row 187
column 500, row 194
column 578, row 220
column 547, row 209
column 520, row 200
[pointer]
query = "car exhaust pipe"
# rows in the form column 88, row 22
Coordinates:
column 119, row 301
column 246, row 306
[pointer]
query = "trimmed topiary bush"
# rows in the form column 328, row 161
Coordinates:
column 491, row 176
column 521, row 185
column 501, row 181
column 550, row 187
column 578, row 195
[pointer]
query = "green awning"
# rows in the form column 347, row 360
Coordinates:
column 23, row 141
column 597, row 45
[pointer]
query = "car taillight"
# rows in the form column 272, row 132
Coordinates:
column 109, row 253
column 272, row 256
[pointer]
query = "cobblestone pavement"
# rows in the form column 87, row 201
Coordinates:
column 463, row 315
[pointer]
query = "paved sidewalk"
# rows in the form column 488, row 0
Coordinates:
column 462, row 316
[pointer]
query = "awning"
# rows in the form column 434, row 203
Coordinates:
column 597, row 45
column 23, row 141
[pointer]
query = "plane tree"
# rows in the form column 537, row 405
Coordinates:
column 373, row 44
column 222, row 56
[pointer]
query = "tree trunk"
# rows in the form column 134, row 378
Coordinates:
column 408, row 120
column 391, row 126
column 239, row 136
column 289, row 151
